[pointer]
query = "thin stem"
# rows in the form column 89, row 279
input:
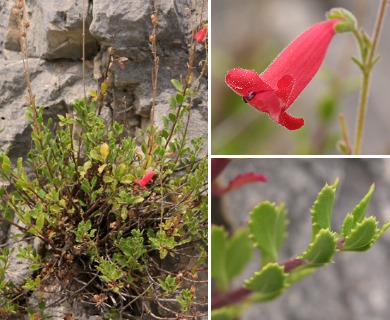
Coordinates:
column 240, row 294
column 366, row 79
column 83, row 35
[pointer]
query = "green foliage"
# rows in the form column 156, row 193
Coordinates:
column 169, row 285
column 322, row 209
column 228, row 256
column 321, row 249
column 78, row 195
column 268, row 283
column 267, row 229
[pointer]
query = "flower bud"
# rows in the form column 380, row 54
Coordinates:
column 348, row 21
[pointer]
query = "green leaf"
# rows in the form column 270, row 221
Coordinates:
column 300, row 273
column 40, row 221
column 172, row 116
column 357, row 214
column 218, row 255
column 267, row 226
column 6, row 164
column 178, row 86
column 361, row 236
column 127, row 179
column 360, row 210
column 322, row 249
column 383, row 229
column 172, row 103
column 323, row 207
column 227, row 313
column 179, row 98
column 238, row 253
column 268, row 283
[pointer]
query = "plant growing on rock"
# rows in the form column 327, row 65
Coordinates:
column 116, row 223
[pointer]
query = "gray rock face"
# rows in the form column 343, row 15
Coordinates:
column 55, row 50
column 356, row 286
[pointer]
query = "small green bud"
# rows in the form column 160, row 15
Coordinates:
column 349, row 22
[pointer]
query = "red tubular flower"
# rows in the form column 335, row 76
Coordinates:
column 145, row 179
column 280, row 84
column 201, row 35
column 218, row 165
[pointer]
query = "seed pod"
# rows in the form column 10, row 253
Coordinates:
column 152, row 38
column 26, row 23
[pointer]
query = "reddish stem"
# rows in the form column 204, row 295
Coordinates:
column 237, row 295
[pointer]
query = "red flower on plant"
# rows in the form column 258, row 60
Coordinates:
column 201, row 35
column 218, row 165
column 280, row 84
column 144, row 180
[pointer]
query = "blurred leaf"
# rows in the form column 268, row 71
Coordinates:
column 327, row 108
column 226, row 313
column 40, row 221
column 178, row 86
column 218, row 255
column 6, row 164
column 238, row 253
column 104, row 151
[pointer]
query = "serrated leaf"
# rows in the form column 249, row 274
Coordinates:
column 322, row 249
column 323, row 207
column 218, row 254
column 359, row 211
column 268, row 283
column 348, row 224
column 383, row 229
column 238, row 253
column 361, row 236
column 267, row 226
